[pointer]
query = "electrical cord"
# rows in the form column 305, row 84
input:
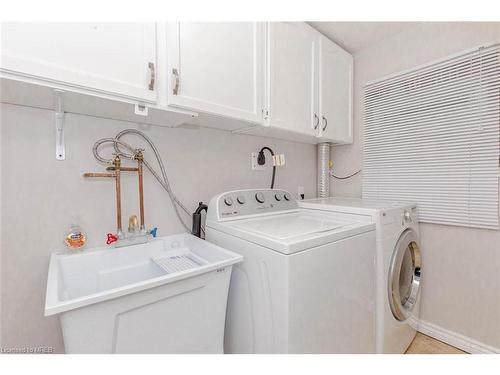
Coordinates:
column 120, row 148
column 261, row 160
column 344, row 177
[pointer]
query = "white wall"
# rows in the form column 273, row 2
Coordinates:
column 39, row 194
column 461, row 267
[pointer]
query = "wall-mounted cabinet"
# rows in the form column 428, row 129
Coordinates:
column 309, row 87
column 280, row 79
column 111, row 58
column 335, row 92
column 292, row 75
column 217, row 68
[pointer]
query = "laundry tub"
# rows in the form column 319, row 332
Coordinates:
column 165, row 296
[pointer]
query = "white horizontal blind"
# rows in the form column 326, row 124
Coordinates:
column 432, row 137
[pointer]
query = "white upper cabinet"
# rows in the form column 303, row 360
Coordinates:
column 217, row 68
column 309, row 85
column 280, row 79
column 292, row 75
column 111, row 58
column 335, row 88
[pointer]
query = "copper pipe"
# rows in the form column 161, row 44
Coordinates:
column 117, row 165
column 123, row 169
column 116, row 175
column 90, row 174
column 139, row 157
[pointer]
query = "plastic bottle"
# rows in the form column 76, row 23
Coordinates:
column 75, row 238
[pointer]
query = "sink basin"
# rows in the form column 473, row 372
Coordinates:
column 165, row 296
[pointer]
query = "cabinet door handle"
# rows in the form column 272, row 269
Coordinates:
column 316, row 121
column 153, row 76
column 175, row 73
column 325, row 123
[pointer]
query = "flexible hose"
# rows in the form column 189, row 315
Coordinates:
column 345, row 177
column 121, row 149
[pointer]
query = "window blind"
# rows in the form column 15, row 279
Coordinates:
column 432, row 137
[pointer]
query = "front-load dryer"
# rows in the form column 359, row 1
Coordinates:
column 398, row 265
column 306, row 281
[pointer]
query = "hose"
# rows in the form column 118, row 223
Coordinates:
column 121, row 149
column 345, row 177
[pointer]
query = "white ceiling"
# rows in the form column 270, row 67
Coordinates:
column 355, row 36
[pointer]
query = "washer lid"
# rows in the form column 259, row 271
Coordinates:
column 286, row 227
column 290, row 232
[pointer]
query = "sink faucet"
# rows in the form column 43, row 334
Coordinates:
column 134, row 236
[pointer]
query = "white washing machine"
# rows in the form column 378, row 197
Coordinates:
column 398, row 265
column 306, row 281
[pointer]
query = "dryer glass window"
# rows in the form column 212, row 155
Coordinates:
column 404, row 276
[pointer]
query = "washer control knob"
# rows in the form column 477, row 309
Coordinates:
column 407, row 216
column 278, row 197
column 241, row 199
column 259, row 197
column 287, row 196
column 228, row 201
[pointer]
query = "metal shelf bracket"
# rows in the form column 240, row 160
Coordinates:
column 59, row 122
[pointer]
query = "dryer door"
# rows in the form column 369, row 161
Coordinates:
column 404, row 275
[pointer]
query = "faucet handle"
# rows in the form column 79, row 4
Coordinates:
column 111, row 238
column 153, row 232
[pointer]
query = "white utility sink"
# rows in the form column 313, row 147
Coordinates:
column 165, row 296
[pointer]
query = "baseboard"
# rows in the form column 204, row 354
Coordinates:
column 455, row 339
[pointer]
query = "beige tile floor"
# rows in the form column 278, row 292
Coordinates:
column 423, row 344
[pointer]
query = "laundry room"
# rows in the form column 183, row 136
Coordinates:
column 310, row 183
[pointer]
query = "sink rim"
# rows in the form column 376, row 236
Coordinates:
column 55, row 306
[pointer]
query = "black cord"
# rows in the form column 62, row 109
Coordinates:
column 262, row 160
column 345, row 177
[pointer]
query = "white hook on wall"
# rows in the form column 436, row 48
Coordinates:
column 59, row 121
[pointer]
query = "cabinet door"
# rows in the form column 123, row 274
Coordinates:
column 217, row 68
column 335, row 85
column 292, row 76
column 113, row 58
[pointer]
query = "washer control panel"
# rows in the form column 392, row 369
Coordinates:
column 250, row 202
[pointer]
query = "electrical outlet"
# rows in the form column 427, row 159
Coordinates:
column 279, row 160
column 255, row 164
column 141, row 110
column 300, row 193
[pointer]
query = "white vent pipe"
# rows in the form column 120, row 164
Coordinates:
column 323, row 170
